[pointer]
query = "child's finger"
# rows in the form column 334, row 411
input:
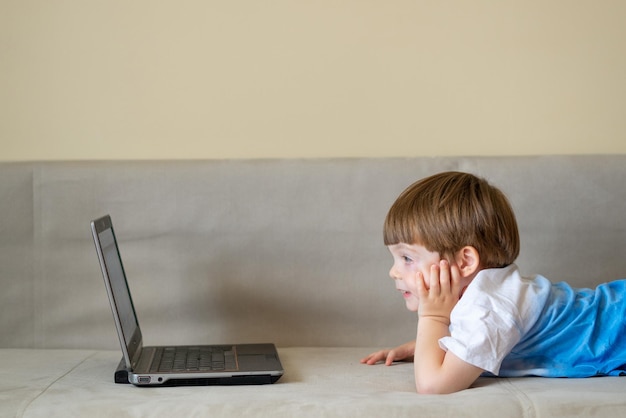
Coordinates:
column 434, row 279
column 456, row 280
column 391, row 357
column 444, row 276
column 375, row 357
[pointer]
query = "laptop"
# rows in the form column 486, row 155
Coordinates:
column 223, row 364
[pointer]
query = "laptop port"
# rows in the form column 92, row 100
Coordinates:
column 144, row 379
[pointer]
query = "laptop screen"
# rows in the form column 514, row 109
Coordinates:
column 117, row 286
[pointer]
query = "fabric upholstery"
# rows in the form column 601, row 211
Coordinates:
column 285, row 251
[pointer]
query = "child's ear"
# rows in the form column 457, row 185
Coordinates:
column 468, row 261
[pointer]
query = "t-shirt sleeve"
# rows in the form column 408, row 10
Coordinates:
column 496, row 311
column 481, row 336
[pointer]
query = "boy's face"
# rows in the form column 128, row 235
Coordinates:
column 407, row 261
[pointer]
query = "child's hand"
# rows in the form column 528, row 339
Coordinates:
column 403, row 352
column 440, row 294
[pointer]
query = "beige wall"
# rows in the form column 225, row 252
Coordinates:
column 126, row 79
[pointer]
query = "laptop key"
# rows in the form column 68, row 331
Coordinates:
column 229, row 360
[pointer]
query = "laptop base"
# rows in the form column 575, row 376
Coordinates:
column 121, row 373
column 121, row 376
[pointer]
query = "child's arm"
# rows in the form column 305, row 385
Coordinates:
column 438, row 371
column 403, row 352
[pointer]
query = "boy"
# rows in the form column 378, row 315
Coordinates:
column 454, row 239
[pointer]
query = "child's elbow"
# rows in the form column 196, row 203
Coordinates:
column 435, row 388
column 431, row 390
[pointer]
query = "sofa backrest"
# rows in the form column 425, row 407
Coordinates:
column 288, row 251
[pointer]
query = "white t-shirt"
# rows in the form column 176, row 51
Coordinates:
column 509, row 325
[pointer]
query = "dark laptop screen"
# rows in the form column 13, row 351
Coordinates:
column 119, row 286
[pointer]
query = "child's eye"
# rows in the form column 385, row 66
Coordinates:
column 407, row 259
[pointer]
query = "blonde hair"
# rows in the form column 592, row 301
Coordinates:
column 448, row 211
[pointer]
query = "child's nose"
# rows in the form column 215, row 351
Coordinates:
column 394, row 274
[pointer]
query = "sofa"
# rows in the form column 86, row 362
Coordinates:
column 282, row 251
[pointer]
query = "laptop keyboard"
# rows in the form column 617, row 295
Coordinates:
column 190, row 358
